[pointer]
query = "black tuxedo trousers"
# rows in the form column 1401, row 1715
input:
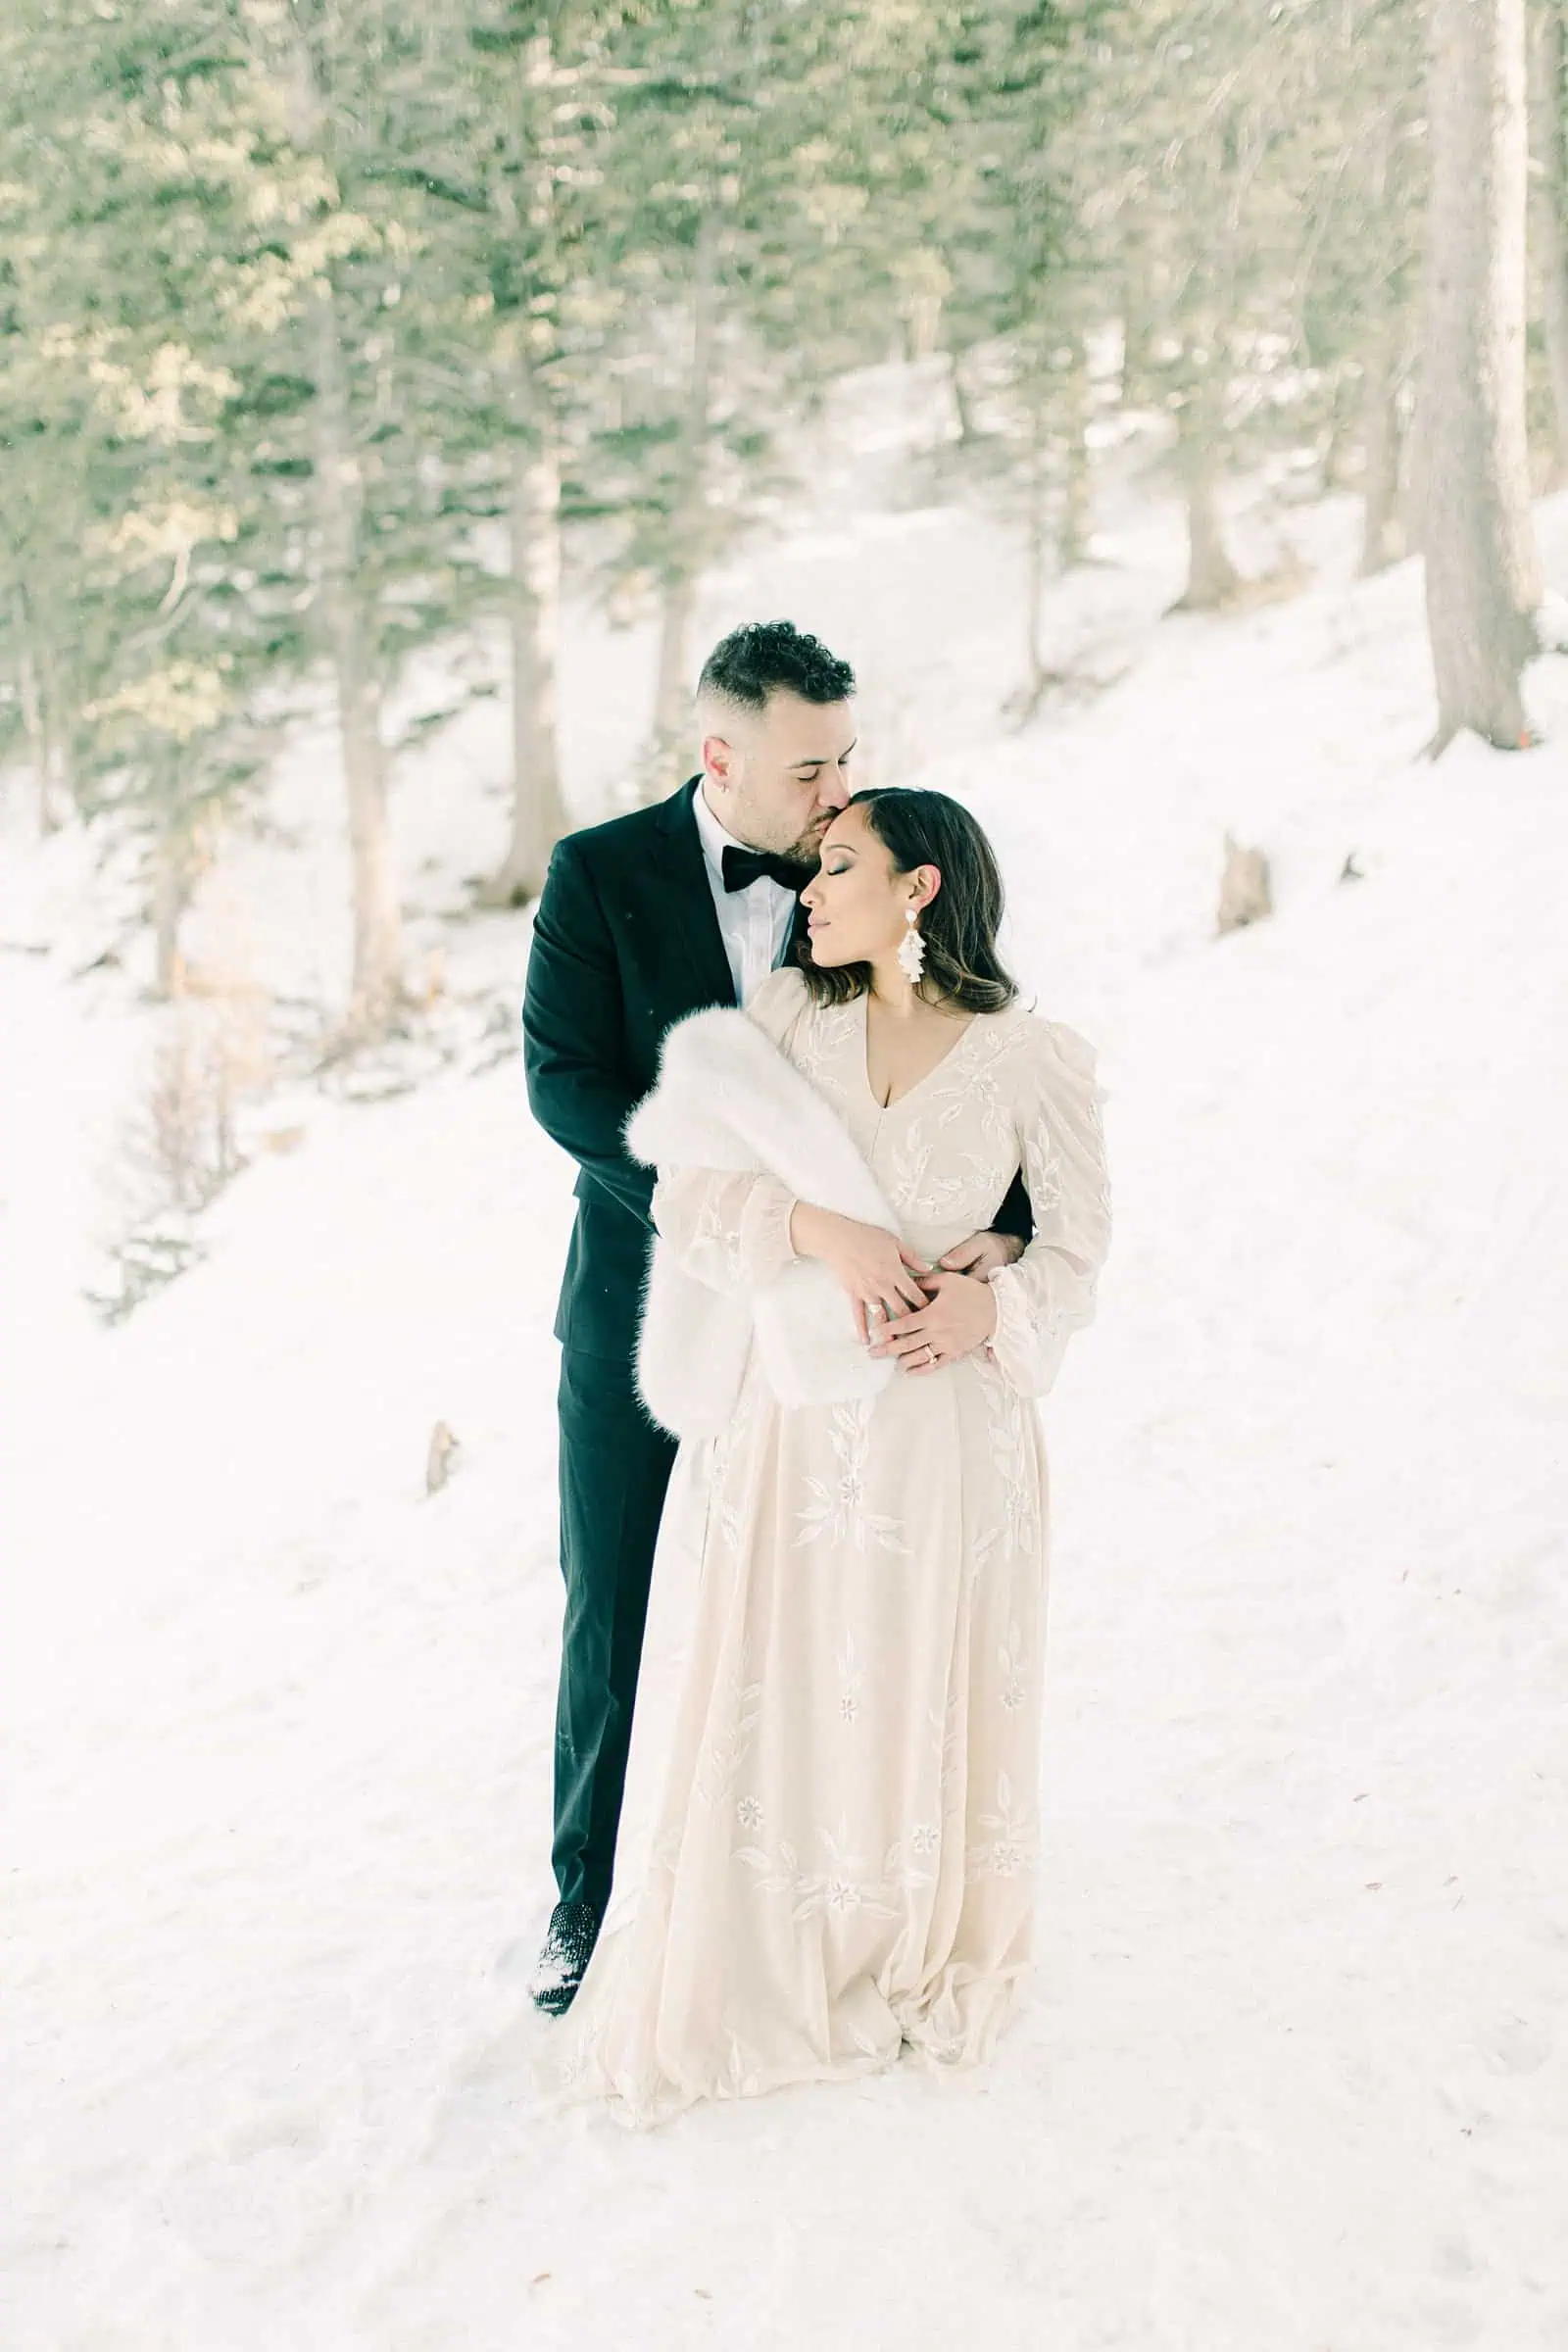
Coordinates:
column 626, row 942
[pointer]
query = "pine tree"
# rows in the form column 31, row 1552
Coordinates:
column 1549, row 206
column 738, row 155
column 140, row 628
column 1482, row 577
column 518, row 102
column 1207, row 174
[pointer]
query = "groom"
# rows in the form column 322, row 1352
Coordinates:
column 643, row 920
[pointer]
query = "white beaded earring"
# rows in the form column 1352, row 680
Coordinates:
column 912, row 950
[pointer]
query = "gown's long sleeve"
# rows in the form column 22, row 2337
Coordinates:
column 731, row 1232
column 1049, row 1293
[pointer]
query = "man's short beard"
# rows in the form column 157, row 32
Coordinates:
column 806, row 853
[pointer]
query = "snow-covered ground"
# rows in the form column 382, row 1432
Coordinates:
column 1295, row 2076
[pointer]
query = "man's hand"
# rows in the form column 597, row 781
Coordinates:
column 960, row 1316
column 982, row 1253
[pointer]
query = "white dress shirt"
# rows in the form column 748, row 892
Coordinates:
column 754, row 923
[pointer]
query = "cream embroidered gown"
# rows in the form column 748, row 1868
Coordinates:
column 842, row 1823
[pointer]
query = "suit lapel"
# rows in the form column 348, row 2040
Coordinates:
column 697, row 942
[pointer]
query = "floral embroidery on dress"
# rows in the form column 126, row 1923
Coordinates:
column 846, row 1886
column 943, row 2038
column 1103, row 1175
column 977, row 1096
column 725, row 1752
column 965, row 1192
column 839, row 1513
column 1044, row 1163
column 1012, row 1456
column 948, row 1739
column 982, row 1551
column 850, row 1677
column 1015, row 1844
column 726, row 1525
column 817, row 1047
column 933, row 1178
column 1012, row 1658
column 712, row 1226
column 740, row 2079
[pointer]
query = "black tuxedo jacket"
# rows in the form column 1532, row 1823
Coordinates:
column 626, row 942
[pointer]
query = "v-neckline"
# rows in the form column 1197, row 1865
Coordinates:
column 899, row 1100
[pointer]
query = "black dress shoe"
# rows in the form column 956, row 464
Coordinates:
column 567, row 1950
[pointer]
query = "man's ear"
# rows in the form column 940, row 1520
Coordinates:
column 719, row 759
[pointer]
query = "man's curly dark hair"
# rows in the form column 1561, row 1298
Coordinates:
column 763, row 657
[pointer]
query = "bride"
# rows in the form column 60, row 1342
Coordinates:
column 845, row 1836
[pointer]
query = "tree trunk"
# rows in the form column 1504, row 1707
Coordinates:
column 170, row 898
column 31, row 701
column 1036, row 542
column 1383, row 513
column 41, row 722
column 1038, row 548
column 1035, row 599
column 1548, row 199
column 963, row 408
column 59, row 789
column 1482, row 577
column 1344, row 422
column 1413, row 494
column 538, row 815
column 1077, row 506
column 1211, row 578
column 533, row 513
column 1386, row 478
column 674, row 638
column 687, row 521
column 175, row 867
column 1135, row 311
column 924, row 324
column 376, row 985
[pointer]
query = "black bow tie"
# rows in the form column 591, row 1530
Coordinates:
column 743, row 868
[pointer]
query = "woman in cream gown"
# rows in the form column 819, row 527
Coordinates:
column 842, row 1855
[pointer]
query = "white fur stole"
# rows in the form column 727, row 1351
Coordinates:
column 728, row 1098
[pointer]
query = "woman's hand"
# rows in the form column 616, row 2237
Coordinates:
column 872, row 1264
column 959, row 1316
